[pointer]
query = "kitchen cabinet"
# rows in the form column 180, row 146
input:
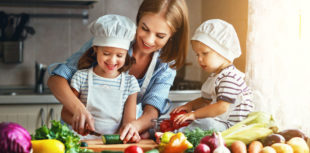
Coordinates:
column 30, row 116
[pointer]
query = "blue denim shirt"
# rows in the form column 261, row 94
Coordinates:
column 157, row 91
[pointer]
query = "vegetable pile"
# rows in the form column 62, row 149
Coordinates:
column 14, row 138
column 61, row 133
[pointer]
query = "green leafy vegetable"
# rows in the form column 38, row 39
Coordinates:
column 194, row 136
column 61, row 133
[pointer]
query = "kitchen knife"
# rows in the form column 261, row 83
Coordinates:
column 95, row 133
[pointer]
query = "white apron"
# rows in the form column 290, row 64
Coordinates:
column 106, row 105
column 148, row 76
column 208, row 91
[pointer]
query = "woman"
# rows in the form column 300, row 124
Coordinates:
column 159, row 48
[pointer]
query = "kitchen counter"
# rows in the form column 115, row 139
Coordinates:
column 174, row 96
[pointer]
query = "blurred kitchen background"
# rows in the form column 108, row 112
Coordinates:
column 274, row 37
column 61, row 30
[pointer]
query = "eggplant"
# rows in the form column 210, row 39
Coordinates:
column 273, row 138
column 290, row 133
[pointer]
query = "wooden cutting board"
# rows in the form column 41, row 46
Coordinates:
column 97, row 145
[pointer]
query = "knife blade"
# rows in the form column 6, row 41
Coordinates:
column 95, row 133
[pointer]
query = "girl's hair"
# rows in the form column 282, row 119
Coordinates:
column 90, row 57
column 176, row 14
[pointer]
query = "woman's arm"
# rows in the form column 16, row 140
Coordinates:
column 62, row 91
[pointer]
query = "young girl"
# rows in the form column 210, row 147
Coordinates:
column 107, row 90
column 225, row 97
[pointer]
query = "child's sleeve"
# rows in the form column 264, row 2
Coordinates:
column 229, row 88
column 133, row 85
column 77, row 80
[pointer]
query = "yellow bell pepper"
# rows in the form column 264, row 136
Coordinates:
column 47, row 146
column 177, row 144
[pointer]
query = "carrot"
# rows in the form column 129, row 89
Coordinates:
column 255, row 147
column 238, row 147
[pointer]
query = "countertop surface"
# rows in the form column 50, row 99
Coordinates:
column 174, row 96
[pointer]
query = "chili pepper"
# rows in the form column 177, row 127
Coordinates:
column 177, row 144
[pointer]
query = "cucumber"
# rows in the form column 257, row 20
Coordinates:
column 111, row 139
column 153, row 151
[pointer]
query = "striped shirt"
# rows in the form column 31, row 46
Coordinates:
column 231, row 87
column 79, row 82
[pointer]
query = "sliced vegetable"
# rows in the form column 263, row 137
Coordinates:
column 255, row 147
column 238, row 147
column 84, row 144
column 133, row 149
column 111, row 139
column 14, row 138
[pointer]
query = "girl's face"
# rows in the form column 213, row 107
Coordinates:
column 208, row 59
column 110, row 60
column 153, row 33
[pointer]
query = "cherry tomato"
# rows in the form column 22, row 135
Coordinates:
column 133, row 149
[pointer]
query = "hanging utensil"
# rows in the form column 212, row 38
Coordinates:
column 24, row 18
column 3, row 25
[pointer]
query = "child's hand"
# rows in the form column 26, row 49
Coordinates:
column 129, row 133
column 180, row 108
column 184, row 117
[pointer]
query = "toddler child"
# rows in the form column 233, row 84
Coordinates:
column 225, row 97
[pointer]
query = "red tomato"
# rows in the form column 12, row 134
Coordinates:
column 174, row 115
column 165, row 126
column 133, row 149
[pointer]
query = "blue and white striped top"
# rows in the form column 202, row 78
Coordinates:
column 79, row 82
column 157, row 91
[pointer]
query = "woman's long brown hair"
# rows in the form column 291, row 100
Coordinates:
column 90, row 57
column 176, row 14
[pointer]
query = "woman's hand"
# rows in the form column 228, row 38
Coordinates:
column 184, row 117
column 82, row 121
column 129, row 133
column 187, row 108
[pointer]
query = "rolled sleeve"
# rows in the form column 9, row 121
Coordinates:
column 67, row 69
column 158, row 91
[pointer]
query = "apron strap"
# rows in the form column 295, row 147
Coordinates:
column 149, row 74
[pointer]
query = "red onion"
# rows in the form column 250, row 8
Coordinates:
column 14, row 138
column 212, row 141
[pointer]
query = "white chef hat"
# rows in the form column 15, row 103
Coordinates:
column 113, row 31
column 220, row 36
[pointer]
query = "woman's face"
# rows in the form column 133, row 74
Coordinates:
column 208, row 59
column 110, row 60
column 153, row 33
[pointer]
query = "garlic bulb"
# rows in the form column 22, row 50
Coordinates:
column 221, row 148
